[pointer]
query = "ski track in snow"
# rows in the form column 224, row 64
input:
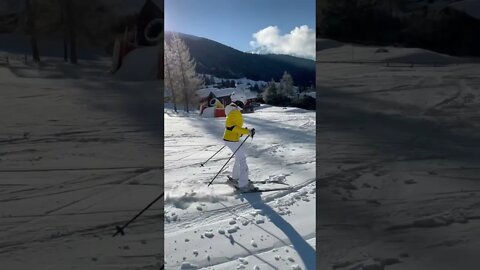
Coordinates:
column 215, row 227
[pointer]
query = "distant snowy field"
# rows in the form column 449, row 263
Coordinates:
column 215, row 228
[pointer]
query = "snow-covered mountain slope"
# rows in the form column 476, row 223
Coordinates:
column 398, row 164
column 216, row 228
column 79, row 154
column 333, row 51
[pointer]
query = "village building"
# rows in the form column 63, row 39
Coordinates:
column 207, row 97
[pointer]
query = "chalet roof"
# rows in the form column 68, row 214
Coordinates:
column 225, row 92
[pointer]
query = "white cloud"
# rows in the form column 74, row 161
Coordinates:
column 299, row 42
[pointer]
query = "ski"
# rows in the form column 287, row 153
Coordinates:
column 233, row 183
column 259, row 181
column 259, row 190
column 269, row 182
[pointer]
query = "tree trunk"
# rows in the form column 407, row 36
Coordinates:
column 169, row 80
column 65, row 49
column 64, row 31
column 71, row 31
column 32, row 28
column 161, row 65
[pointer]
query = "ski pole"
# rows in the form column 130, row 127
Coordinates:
column 120, row 229
column 228, row 160
column 201, row 165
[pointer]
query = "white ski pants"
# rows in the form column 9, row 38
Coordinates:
column 240, row 168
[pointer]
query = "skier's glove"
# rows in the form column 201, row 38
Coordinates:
column 252, row 132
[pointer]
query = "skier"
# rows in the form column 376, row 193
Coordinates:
column 233, row 131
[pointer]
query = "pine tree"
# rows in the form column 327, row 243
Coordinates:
column 209, row 80
column 270, row 92
column 286, row 85
column 256, row 88
column 169, row 76
column 182, row 68
column 205, row 79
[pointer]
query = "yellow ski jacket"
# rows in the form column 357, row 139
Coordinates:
column 233, row 126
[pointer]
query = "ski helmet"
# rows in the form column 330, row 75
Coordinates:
column 238, row 97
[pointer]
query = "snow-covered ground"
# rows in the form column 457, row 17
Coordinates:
column 398, row 161
column 216, row 228
column 79, row 154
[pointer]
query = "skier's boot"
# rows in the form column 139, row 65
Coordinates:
column 247, row 188
column 235, row 180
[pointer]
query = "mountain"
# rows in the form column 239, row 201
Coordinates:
column 445, row 26
column 222, row 61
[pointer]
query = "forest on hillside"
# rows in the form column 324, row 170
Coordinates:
column 89, row 23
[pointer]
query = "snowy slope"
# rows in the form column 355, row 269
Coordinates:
column 333, row 51
column 79, row 154
column 215, row 228
column 398, row 159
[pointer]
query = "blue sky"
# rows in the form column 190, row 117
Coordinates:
column 233, row 22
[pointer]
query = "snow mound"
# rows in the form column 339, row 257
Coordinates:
column 140, row 64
